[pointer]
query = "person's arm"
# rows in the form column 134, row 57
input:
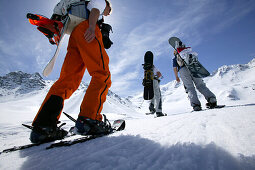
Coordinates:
column 175, row 67
column 90, row 32
column 159, row 74
column 176, row 74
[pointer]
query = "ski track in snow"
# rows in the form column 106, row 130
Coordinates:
column 216, row 139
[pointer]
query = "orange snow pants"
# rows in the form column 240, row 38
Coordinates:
column 81, row 56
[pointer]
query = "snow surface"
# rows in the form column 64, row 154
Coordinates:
column 221, row 139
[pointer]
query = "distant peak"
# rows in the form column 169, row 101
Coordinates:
column 19, row 82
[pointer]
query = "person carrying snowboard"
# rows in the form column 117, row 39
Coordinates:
column 85, row 51
column 156, row 101
column 189, row 81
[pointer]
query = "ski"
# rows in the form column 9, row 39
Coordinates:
column 22, row 147
column 16, row 148
column 118, row 125
column 78, row 140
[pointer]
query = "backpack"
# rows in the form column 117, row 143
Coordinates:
column 71, row 12
column 188, row 56
column 67, row 14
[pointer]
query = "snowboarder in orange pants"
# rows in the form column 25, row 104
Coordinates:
column 85, row 51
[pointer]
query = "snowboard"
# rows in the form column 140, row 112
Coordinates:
column 149, row 113
column 50, row 28
column 216, row 107
column 155, row 116
column 196, row 69
column 148, row 76
column 208, row 108
column 164, row 114
column 54, row 31
column 49, row 67
column 117, row 125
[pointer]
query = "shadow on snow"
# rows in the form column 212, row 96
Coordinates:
column 134, row 152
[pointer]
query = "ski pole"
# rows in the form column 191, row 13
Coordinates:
column 141, row 104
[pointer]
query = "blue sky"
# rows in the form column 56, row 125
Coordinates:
column 220, row 31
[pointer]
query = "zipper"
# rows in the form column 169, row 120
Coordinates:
column 101, row 52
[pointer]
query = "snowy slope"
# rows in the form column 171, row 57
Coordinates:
column 231, row 84
column 209, row 139
column 19, row 102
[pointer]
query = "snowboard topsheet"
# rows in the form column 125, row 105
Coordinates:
column 148, row 76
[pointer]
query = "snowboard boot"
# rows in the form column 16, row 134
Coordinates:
column 152, row 112
column 159, row 114
column 87, row 126
column 42, row 134
column 197, row 108
column 151, row 108
column 212, row 103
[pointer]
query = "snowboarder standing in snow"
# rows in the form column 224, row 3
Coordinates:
column 85, row 51
column 189, row 80
column 156, row 101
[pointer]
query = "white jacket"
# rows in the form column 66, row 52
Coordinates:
column 77, row 13
column 63, row 5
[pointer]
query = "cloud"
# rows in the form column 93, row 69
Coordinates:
column 126, row 83
column 26, row 50
column 151, row 36
column 192, row 21
column 232, row 14
column 7, row 49
column 138, row 27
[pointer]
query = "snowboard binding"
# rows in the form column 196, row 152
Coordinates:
column 50, row 28
column 148, row 75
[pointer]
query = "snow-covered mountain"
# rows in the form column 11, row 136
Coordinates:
column 209, row 139
column 30, row 89
column 16, row 83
